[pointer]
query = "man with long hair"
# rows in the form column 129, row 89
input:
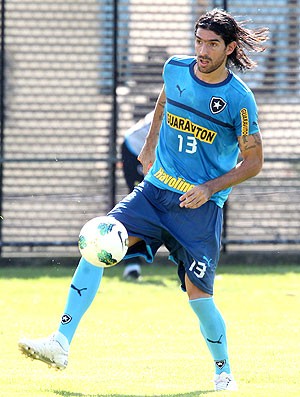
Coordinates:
column 205, row 116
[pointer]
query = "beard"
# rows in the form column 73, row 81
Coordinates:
column 211, row 66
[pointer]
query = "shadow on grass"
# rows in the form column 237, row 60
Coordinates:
column 72, row 394
column 259, row 269
column 35, row 272
column 151, row 273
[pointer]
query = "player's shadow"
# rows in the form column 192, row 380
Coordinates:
column 74, row 394
column 148, row 281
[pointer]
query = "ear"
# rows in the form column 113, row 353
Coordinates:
column 231, row 47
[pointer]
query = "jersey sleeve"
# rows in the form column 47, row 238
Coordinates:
column 165, row 66
column 246, row 116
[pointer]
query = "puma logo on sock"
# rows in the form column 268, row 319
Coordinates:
column 215, row 341
column 77, row 289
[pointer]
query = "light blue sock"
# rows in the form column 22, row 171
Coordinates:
column 213, row 329
column 84, row 286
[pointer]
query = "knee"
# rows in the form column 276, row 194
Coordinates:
column 193, row 291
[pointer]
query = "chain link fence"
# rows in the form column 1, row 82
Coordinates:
column 76, row 75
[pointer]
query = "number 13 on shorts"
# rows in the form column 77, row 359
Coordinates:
column 198, row 268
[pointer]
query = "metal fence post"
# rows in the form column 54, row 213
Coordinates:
column 114, row 116
column 2, row 108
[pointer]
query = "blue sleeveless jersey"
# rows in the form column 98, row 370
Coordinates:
column 198, row 135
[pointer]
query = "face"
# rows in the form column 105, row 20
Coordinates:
column 211, row 51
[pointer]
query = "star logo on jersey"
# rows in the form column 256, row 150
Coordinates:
column 217, row 105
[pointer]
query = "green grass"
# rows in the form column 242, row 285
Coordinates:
column 142, row 339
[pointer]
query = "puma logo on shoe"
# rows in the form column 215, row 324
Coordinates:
column 77, row 289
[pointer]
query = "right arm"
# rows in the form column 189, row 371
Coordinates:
column 147, row 154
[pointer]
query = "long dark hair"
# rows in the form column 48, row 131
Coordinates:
column 225, row 25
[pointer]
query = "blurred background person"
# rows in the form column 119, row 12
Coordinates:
column 133, row 172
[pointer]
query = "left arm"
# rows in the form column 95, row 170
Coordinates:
column 251, row 164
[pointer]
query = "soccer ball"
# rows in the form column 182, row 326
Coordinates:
column 103, row 241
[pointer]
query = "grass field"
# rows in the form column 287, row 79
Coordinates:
column 142, row 339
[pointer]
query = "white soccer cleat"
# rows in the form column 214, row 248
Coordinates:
column 47, row 350
column 132, row 272
column 225, row 381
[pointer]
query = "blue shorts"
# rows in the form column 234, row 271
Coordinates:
column 192, row 236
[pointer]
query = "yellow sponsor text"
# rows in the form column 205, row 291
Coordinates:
column 245, row 121
column 186, row 125
column 176, row 183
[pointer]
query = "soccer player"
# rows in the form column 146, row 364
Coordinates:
column 204, row 117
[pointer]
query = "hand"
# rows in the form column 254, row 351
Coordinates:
column 195, row 197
